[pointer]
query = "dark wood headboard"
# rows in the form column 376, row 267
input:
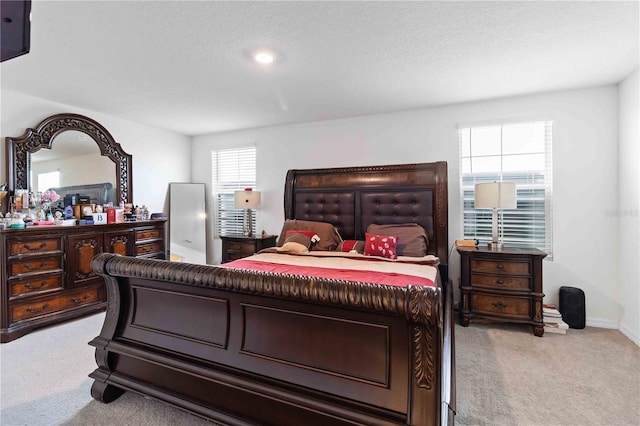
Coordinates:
column 352, row 198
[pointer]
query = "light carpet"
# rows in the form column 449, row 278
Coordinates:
column 505, row 376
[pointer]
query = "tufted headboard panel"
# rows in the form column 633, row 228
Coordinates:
column 337, row 208
column 352, row 198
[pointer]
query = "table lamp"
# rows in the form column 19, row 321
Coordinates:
column 247, row 200
column 495, row 195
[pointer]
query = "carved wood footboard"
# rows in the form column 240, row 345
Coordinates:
column 242, row 347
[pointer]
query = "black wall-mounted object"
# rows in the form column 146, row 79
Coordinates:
column 15, row 22
column 572, row 307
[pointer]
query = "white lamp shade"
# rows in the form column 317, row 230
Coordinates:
column 499, row 195
column 246, row 199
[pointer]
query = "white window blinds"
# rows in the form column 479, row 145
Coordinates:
column 519, row 153
column 231, row 170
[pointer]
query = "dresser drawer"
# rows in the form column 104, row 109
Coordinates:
column 35, row 285
column 29, row 266
column 500, row 266
column 502, row 305
column 35, row 246
column 23, row 311
column 148, row 234
column 501, row 281
column 150, row 248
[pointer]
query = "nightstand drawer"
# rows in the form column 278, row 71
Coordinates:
column 234, row 248
column 236, row 255
column 501, row 281
column 248, row 248
column 500, row 266
column 501, row 305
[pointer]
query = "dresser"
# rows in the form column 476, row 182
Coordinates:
column 502, row 285
column 238, row 247
column 45, row 271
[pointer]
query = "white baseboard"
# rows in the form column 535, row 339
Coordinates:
column 615, row 325
column 603, row 323
column 631, row 334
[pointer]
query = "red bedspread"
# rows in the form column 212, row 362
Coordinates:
column 366, row 276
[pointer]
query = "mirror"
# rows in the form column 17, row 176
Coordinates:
column 80, row 148
column 187, row 223
column 74, row 161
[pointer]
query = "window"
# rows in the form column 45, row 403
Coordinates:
column 519, row 153
column 48, row 180
column 231, row 170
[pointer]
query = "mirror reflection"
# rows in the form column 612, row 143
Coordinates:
column 73, row 164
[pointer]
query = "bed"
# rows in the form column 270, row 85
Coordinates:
column 98, row 193
column 260, row 347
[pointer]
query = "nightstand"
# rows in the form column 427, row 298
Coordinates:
column 502, row 285
column 238, row 247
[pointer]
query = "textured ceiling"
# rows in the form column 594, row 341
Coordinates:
column 183, row 65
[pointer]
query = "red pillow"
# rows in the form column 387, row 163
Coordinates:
column 347, row 246
column 311, row 234
column 380, row 245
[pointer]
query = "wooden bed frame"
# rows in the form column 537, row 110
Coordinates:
column 257, row 348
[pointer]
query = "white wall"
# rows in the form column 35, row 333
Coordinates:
column 77, row 170
column 628, row 211
column 159, row 156
column 585, row 171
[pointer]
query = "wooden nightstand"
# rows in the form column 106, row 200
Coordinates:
column 502, row 285
column 238, row 247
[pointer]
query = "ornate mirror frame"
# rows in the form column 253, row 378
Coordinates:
column 19, row 150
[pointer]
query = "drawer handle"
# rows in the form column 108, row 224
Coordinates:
column 30, row 266
column 500, row 282
column 500, row 266
column 32, row 248
column 500, row 305
column 35, row 287
column 37, row 311
column 76, row 300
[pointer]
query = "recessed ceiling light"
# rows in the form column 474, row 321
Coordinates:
column 264, row 57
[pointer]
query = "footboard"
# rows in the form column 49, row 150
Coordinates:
column 245, row 348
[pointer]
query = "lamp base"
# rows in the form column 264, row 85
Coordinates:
column 247, row 225
column 495, row 245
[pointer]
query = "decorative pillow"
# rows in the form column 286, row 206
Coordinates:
column 311, row 234
column 329, row 237
column 380, row 245
column 296, row 242
column 412, row 238
column 350, row 246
